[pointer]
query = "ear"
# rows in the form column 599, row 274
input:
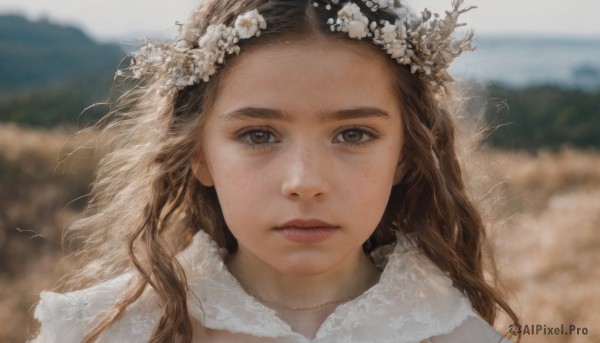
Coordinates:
column 400, row 170
column 201, row 170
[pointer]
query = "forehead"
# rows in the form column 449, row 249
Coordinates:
column 301, row 75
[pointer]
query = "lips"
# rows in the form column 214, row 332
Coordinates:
column 307, row 231
column 306, row 223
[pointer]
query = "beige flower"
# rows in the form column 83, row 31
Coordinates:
column 249, row 24
column 213, row 35
column 351, row 20
column 388, row 32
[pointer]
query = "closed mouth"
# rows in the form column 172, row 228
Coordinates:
column 306, row 224
column 307, row 231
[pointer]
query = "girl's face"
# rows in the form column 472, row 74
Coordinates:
column 303, row 147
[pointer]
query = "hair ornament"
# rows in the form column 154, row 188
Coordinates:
column 425, row 42
column 184, row 63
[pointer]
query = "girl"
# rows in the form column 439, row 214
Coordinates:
column 283, row 171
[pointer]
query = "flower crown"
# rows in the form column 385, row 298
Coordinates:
column 424, row 43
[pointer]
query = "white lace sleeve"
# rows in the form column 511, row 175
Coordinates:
column 473, row 329
column 66, row 317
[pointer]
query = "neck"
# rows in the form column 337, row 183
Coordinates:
column 280, row 289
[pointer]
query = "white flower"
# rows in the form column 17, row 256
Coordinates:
column 351, row 20
column 396, row 50
column 249, row 24
column 211, row 38
column 357, row 29
column 388, row 32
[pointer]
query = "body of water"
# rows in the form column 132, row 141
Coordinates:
column 518, row 61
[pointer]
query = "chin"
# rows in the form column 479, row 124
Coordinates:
column 306, row 266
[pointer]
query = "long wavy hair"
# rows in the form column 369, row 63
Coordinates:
column 146, row 203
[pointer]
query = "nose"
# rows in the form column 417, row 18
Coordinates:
column 305, row 175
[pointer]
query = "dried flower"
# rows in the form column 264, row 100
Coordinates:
column 350, row 19
column 424, row 43
column 181, row 65
column 249, row 24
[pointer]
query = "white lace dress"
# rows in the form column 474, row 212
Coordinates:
column 412, row 302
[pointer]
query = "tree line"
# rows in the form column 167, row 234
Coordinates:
column 545, row 116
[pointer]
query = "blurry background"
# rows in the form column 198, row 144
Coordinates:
column 535, row 75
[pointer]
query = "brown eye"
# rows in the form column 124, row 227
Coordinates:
column 258, row 137
column 355, row 137
column 352, row 136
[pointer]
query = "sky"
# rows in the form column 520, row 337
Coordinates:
column 120, row 20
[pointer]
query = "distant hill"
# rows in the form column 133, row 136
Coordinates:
column 38, row 54
column 49, row 73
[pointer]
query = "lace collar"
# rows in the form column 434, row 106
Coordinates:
column 413, row 300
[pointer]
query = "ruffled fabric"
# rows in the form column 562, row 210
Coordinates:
column 412, row 301
column 67, row 317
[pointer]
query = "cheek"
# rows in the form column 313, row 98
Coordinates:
column 234, row 184
column 227, row 166
column 241, row 189
column 367, row 187
column 375, row 187
column 376, row 170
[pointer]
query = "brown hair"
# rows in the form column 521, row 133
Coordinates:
column 145, row 192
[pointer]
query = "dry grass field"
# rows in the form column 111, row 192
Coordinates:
column 543, row 210
column 547, row 235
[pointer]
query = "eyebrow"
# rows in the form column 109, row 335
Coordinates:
column 246, row 113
